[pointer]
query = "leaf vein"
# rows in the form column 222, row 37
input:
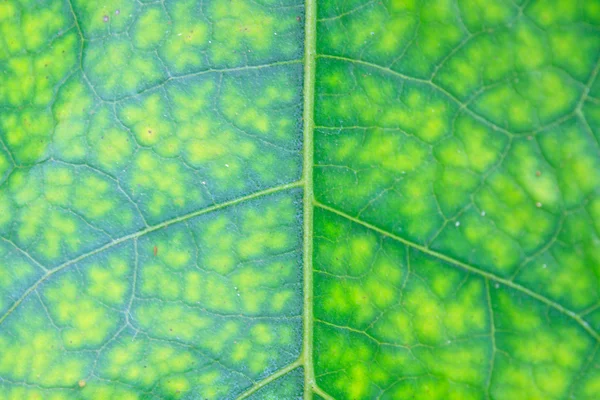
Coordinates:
column 577, row 318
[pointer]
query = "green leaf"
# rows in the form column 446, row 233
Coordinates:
column 278, row 199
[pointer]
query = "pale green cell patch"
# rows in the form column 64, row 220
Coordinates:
column 230, row 34
column 563, row 273
column 573, row 49
column 112, row 143
column 105, row 18
column 474, row 146
column 64, row 202
column 561, row 12
column 255, row 105
column 27, row 133
column 188, row 39
column 28, row 87
column 33, row 350
column 31, row 79
column 150, row 27
column 149, row 121
column 529, row 100
column 532, row 347
column 116, row 69
column 485, row 14
column 572, row 152
column 162, row 187
column 590, row 382
column 107, row 279
column 71, row 113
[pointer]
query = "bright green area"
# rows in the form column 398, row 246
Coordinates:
column 172, row 226
column 462, row 140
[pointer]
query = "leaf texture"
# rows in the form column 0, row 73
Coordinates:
column 277, row 199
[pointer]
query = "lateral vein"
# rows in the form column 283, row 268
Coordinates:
column 143, row 232
column 469, row 268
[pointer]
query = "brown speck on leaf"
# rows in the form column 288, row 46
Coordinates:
column 155, row 251
column 81, row 383
column 538, row 173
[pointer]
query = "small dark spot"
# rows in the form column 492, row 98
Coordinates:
column 105, row 18
column 150, row 131
column 298, row 18
column 538, row 173
column 170, row 329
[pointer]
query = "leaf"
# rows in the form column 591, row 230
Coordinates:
column 274, row 200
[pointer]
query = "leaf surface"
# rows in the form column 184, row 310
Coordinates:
column 274, row 199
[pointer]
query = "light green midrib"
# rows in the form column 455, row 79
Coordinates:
column 310, row 52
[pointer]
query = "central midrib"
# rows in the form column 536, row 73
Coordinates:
column 310, row 50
